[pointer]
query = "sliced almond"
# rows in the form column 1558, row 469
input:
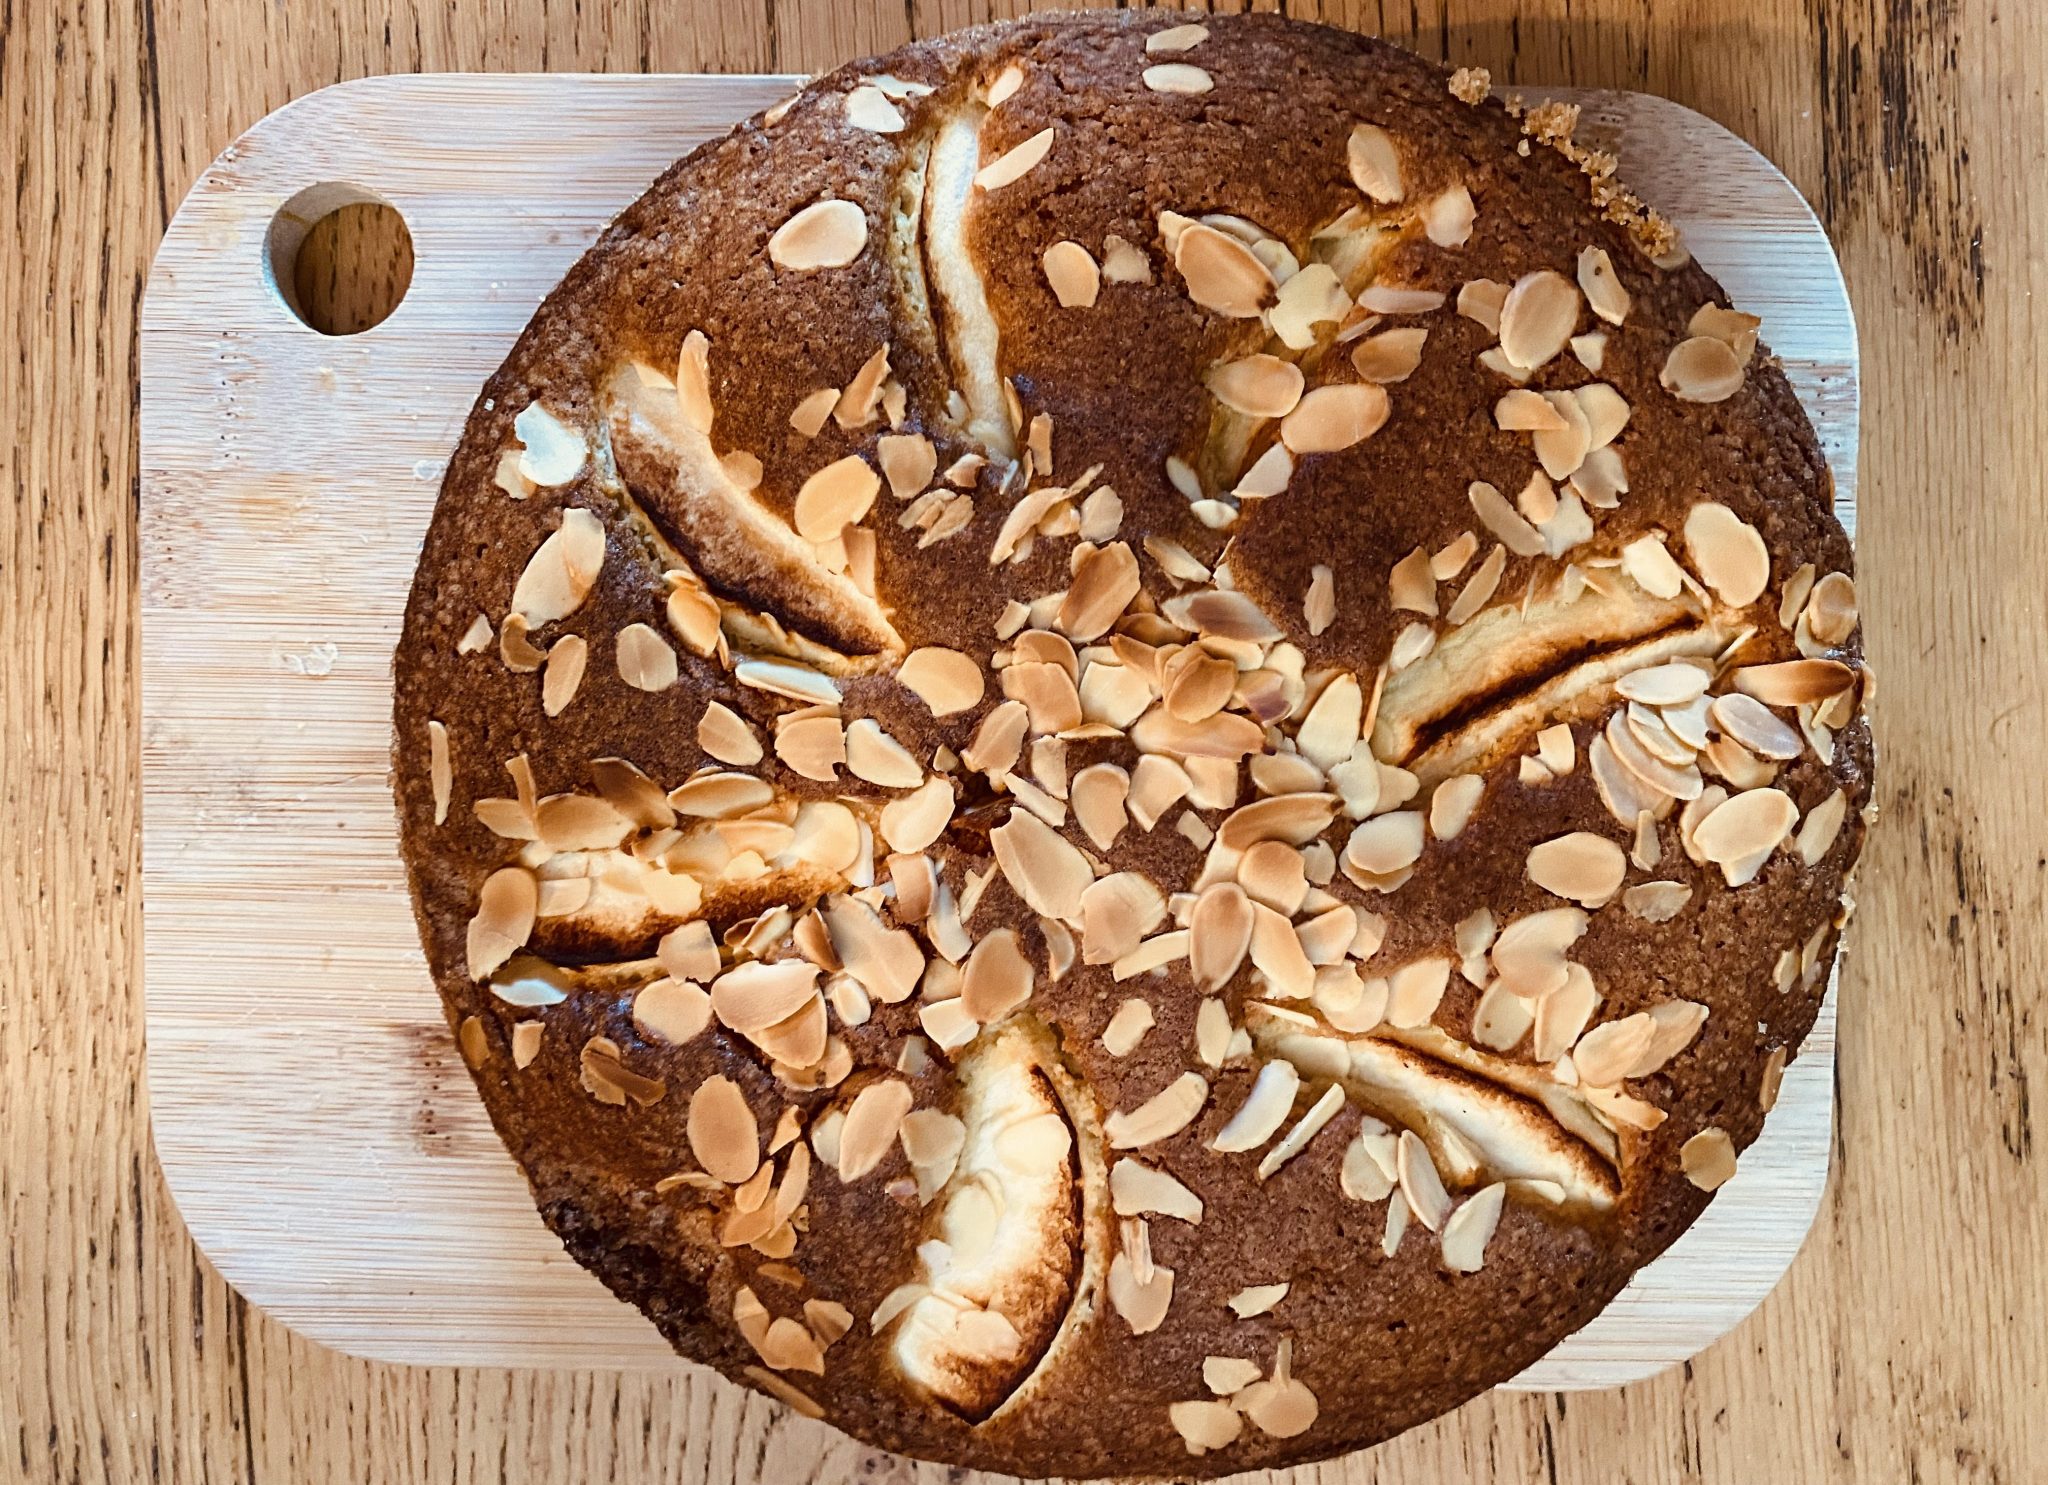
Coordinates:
column 644, row 659
column 1334, row 417
column 1701, row 369
column 1708, row 1158
column 945, row 680
column 1265, row 1108
column 917, row 819
column 1014, row 163
column 1728, row 553
column 1072, row 275
column 1584, row 867
column 561, row 571
column 1222, row 274
column 825, row 234
column 722, row 1131
column 997, row 979
column 1164, row 1114
column 506, row 909
column 874, row 1120
column 1375, row 163
column 1177, row 77
column 1602, row 288
column 1536, row 319
column 1046, row 871
column 1259, row 386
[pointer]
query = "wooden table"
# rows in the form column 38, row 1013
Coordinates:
column 1910, row 1341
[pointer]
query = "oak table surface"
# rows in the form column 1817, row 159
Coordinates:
column 1909, row 1342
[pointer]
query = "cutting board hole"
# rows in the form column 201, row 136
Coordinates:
column 340, row 257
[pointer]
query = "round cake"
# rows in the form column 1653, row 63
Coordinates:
column 1130, row 747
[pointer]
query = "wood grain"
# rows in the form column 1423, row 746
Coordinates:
column 285, row 483
column 1910, row 1342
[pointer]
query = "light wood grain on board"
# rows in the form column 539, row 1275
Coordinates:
column 322, row 1141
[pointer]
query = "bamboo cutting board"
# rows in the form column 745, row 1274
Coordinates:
column 312, row 1116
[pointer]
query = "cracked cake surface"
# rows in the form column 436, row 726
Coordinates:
column 1129, row 746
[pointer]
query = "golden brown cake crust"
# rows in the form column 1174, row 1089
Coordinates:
column 606, row 1108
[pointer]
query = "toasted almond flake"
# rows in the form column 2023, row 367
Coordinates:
column 1538, row 316
column 753, row 996
column 917, row 819
column 1606, row 1054
column 1177, row 77
column 1529, row 953
column 559, row 574
column 506, row 908
column 1651, row 567
column 1117, row 911
column 1386, row 843
column 471, row 1041
column 695, row 617
column 440, row 770
column 1004, row 88
column 1105, row 582
column 720, row 796
column 1822, row 824
column 856, row 405
column 526, row 1040
column 1390, row 356
column 1375, row 163
column 1453, row 804
column 1224, row 1375
column 1471, row 1228
column 809, row 415
column 1670, row 684
column 1602, row 287
column 825, row 234
column 1794, row 682
column 1701, row 369
column 1756, row 726
column 1264, row 1110
column 1479, row 590
column 1282, row 1410
column 1563, row 1015
column 1205, row 1425
column 673, row 1010
column 1256, row 1299
column 1481, row 300
column 1319, row 606
column 1422, row 1187
column 1127, row 1028
column 1731, row 326
column 1656, row 902
column 722, row 1131
column 1259, row 386
column 874, row 1120
column 723, row 735
column 1504, row 521
column 1139, row 1290
column 1181, row 38
column 1767, row 1088
column 1830, row 611
column 644, row 659
column 1591, row 349
column 1013, row 164
column 477, row 637
column 1046, row 871
column 1584, row 867
column 1753, row 822
column 998, row 978
column 1222, row 273
column 868, row 107
column 1501, row 1018
column 1412, row 584
column 578, row 822
column 945, row 680
column 1447, row 217
column 1164, row 1114
column 1072, row 275
column 837, row 496
column 693, row 381
column 1332, row 418
column 562, row 673
column 1729, row 554
column 1708, row 1158
column 1522, row 411
column 1296, row 818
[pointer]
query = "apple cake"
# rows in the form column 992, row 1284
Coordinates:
column 1129, row 746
